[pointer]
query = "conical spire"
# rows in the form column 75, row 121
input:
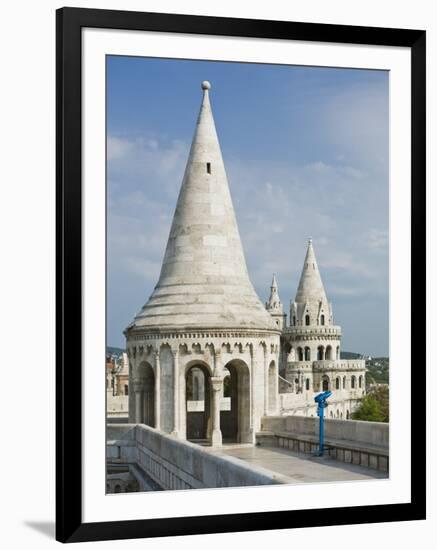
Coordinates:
column 274, row 302
column 310, row 285
column 311, row 306
column 204, row 280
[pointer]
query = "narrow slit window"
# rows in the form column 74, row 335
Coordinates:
column 208, row 167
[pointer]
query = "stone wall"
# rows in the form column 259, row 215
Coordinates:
column 176, row 464
column 373, row 433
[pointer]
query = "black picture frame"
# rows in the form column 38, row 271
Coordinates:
column 69, row 24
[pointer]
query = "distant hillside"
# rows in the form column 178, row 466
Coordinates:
column 378, row 370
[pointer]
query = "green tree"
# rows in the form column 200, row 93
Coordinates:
column 374, row 407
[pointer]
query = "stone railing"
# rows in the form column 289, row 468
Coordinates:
column 327, row 330
column 351, row 441
column 340, row 364
column 177, row 464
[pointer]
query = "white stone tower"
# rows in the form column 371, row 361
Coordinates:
column 311, row 348
column 274, row 305
column 205, row 314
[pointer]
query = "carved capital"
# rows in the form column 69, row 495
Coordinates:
column 216, row 383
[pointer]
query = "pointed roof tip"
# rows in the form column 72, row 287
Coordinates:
column 206, row 85
column 274, row 283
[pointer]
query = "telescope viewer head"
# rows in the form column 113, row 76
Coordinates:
column 322, row 397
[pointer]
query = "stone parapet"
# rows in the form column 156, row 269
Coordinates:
column 175, row 464
column 312, row 332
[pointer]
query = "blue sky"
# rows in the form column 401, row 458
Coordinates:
column 306, row 152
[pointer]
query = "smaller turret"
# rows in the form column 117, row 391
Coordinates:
column 274, row 305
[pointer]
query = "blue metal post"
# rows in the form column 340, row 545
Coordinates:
column 320, row 399
column 321, row 428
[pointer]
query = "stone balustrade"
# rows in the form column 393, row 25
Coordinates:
column 351, row 441
column 176, row 464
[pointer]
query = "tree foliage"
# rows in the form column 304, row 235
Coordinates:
column 374, row 406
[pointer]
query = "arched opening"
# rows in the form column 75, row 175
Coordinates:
column 325, row 383
column 328, row 354
column 235, row 422
column 300, row 354
column 198, row 402
column 337, row 414
column 307, row 354
column 117, row 488
column 320, row 353
column 344, row 382
column 337, row 383
column 307, row 384
column 341, row 416
column 227, row 386
column 331, row 414
column 353, row 382
column 337, row 352
column 294, row 320
column 126, row 389
column 347, row 415
column 360, row 382
column 272, row 378
column 307, row 320
column 322, row 319
column 145, row 399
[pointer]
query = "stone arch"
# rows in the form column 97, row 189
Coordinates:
column 328, row 352
column 353, row 382
column 320, row 353
column 226, row 348
column 197, row 407
column 145, row 394
column 300, row 354
column 307, row 353
column 326, row 385
column 272, row 385
column 235, row 422
column 337, row 383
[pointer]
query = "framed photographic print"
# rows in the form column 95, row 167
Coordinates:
column 241, row 260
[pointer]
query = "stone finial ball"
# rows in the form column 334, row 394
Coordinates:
column 206, row 85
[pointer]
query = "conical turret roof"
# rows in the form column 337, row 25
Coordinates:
column 274, row 302
column 310, row 285
column 311, row 302
column 204, row 281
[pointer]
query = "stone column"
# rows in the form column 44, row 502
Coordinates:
column 138, row 389
column 175, row 431
column 157, row 391
column 216, row 387
column 266, row 384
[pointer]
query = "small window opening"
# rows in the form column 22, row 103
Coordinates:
column 208, row 167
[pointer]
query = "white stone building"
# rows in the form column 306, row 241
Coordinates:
column 204, row 316
column 204, row 323
column 310, row 350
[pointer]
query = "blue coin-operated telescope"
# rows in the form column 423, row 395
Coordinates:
column 320, row 399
